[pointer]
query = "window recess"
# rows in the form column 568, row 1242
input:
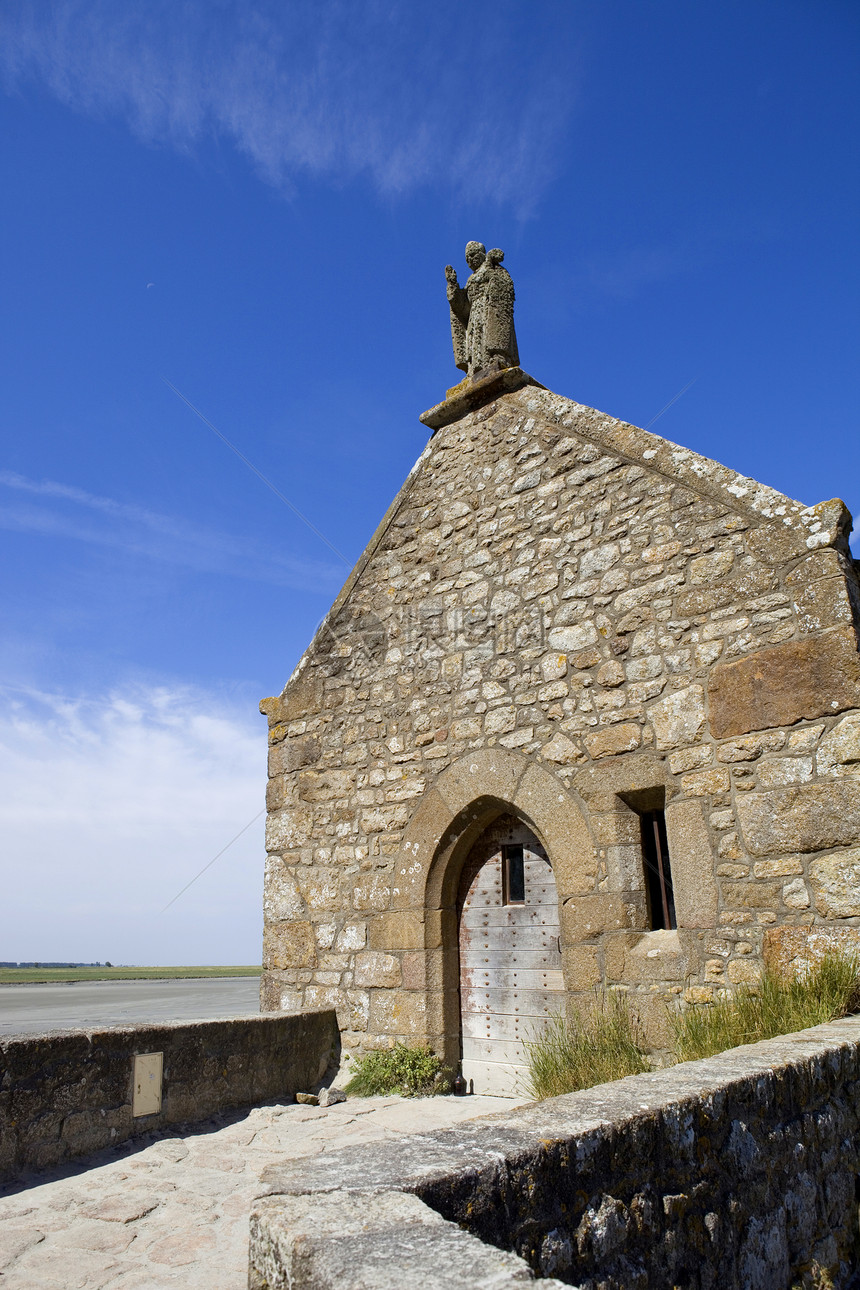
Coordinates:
column 658, row 872
column 513, row 875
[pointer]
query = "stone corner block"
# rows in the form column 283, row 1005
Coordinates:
column 402, row 929
column 801, row 818
column 777, row 686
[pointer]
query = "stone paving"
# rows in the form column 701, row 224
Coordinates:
column 172, row 1209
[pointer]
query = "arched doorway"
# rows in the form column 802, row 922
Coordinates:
column 510, row 955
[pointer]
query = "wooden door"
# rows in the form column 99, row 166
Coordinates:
column 510, row 959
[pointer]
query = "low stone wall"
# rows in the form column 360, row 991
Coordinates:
column 738, row 1171
column 69, row 1093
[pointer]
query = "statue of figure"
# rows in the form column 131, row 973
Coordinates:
column 482, row 314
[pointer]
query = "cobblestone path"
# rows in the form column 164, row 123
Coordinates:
column 173, row 1210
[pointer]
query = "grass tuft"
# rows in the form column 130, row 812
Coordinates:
column 411, row 1072
column 773, row 1006
column 605, row 1042
column 585, row 1048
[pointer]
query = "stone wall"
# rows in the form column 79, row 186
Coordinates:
column 736, row 1173
column 70, row 1093
column 574, row 619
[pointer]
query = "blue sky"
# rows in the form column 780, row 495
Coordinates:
column 255, row 202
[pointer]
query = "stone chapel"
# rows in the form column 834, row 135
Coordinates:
column 586, row 712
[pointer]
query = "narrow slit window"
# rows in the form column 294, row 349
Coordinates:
column 658, row 873
column 514, row 871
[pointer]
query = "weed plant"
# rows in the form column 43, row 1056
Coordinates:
column 605, row 1041
column 772, row 1006
column 411, row 1072
column 602, row 1043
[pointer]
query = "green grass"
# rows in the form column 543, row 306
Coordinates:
column 773, row 1006
column 411, row 1072
column 20, row 976
column 605, row 1042
column 585, row 1048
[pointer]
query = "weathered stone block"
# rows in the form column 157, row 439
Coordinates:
column 553, row 666
column 281, row 896
column 652, row 1011
column 414, row 966
column 325, row 786
column 487, row 771
column 398, row 1012
column 836, row 884
column 293, row 754
column 561, row 750
column 400, row 930
column 750, row 747
column 823, row 604
column 752, row 895
column 785, row 770
column 581, row 967
column 701, row 783
column 321, row 887
column 839, row 750
column 583, row 917
column 690, row 759
column 569, row 640
column 786, row 683
column 289, row 945
column 372, row 892
column 785, row 866
column 678, row 718
column 711, row 568
column 352, row 936
column 631, row 774
column 774, row 544
column 692, row 862
column 622, row 827
column 289, row 829
column 795, row 894
column 652, row 956
column 376, row 968
column 303, row 695
column 611, row 742
column 791, row 949
column 499, row 721
column 809, row 817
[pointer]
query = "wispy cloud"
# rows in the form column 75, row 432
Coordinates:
column 110, row 803
column 62, row 511
column 474, row 98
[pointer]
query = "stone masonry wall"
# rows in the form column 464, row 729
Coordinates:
column 565, row 591
column 69, row 1093
column 735, row 1173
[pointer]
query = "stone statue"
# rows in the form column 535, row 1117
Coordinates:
column 482, row 314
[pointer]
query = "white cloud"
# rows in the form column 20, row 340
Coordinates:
column 64, row 511
column 109, row 805
column 474, row 98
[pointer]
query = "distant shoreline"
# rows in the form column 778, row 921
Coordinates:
column 59, row 976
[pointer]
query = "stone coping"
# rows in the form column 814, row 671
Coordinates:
column 136, row 1028
column 705, row 1136
column 479, row 1144
column 468, row 396
column 69, row 1093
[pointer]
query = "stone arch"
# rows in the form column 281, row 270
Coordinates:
column 464, row 800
